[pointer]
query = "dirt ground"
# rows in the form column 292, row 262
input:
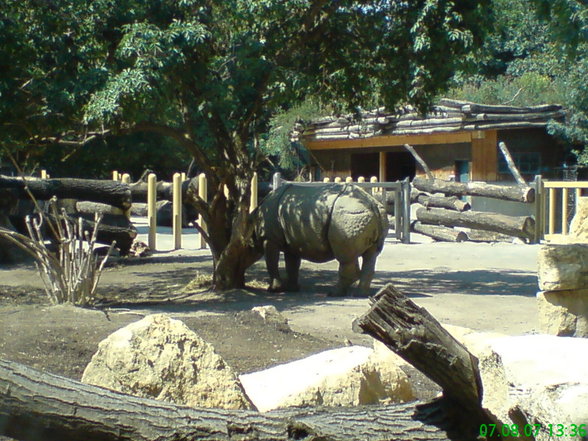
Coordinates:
column 487, row 287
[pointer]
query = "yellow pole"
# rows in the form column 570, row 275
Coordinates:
column 373, row 179
column 551, row 210
column 126, row 178
column 348, row 179
column 326, row 180
column 564, row 211
column 337, row 179
column 152, row 211
column 115, row 175
column 253, row 200
column 361, row 179
column 43, row 174
column 202, row 192
column 382, row 166
column 177, row 210
column 183, row 176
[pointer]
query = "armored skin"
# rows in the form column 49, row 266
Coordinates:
column 321, row 223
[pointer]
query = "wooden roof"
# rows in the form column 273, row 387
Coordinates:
column 446, row 117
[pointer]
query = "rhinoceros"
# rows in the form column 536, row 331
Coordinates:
column 321, row 223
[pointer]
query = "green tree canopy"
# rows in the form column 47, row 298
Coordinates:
column 210, row 74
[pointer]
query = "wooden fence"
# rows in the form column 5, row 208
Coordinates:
column 557, row 204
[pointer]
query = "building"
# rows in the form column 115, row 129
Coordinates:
column 458, row 140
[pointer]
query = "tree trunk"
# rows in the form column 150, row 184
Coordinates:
column 518, row 193
column 518, row 226
column 37, row 406
column 107, row 192
column 511, row 164
column 451, row 203
column 440, row 233
column 487, row 236
column 88, row 207
column 9, row 253
column 416, row 336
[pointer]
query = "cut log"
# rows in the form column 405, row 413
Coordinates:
column 518, row 193
column 518, row 226
column 420, row 160
column 510, row 163
column 105, row 191
column 416, row 336
column 450, row 202
column 487, row 236
column 439, row 233
column 88, row 207
column 37, row 406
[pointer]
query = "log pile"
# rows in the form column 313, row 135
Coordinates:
column 80, row 198
column 439, row 210
column 447, row 116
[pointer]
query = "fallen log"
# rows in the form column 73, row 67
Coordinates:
column 107, row 192
column 439, row 232
column 37, row 406
column 416, row 336
column 487, row 236
column 88, row 207
column 518, row 226
column 517, row 193
column 511, row 164
column 449, row 202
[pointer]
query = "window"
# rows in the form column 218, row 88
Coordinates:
column 528, row 163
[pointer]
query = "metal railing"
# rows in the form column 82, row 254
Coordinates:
column 401, row 191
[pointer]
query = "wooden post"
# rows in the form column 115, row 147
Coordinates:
column 406, row 210
column 203, row 194
column 115, row 176
column 183, row 174
column 551, row 210
column 348, row 179
column 383, row 167
column 276, row 181
column 126, row 178
column 361, row 179
column 564, row 210
column 152, row 211
column 253, row 200
column 539, row 209
column 177, row 210
column 511, row 164
column 337, row 179
column 373, row 179
column 43, row 174
column 326, row 180
column 578, row 196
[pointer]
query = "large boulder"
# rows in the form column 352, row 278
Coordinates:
column 159, row 357
column 348, row 376
column 531, row 379
column 563, row 267
column 579, row 225
column 564, row 313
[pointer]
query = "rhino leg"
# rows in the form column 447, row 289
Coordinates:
column 272, row 263
column 292, row 269
column 348, row 274
column 368, row 267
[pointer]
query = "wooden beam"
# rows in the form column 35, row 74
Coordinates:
column 382, row 158
column 391, row 140
column 485, row 157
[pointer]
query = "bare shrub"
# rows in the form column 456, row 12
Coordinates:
column 72, row 272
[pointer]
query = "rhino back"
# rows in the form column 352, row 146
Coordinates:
column 304, row 214
column 358, row 222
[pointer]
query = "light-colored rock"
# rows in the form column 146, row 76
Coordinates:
column 159, row 357
column 564, row 313
column 534, row 379
column 579, row 225
column 270, row 315
column 346, row 376
column 563, row 267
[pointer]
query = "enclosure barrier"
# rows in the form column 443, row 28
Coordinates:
column 559, row 202
column 401, row 191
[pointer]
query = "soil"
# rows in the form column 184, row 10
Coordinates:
column 487, row 287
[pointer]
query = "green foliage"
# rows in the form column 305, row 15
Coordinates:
column 536, row 55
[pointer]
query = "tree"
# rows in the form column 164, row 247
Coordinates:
column 210, row 74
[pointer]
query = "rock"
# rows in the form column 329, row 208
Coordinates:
column 563, row 267
column 531, row 379
column 564, row 313
column 347, row 376
column 271, row 316
column 159, row 357
column 579, row 225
